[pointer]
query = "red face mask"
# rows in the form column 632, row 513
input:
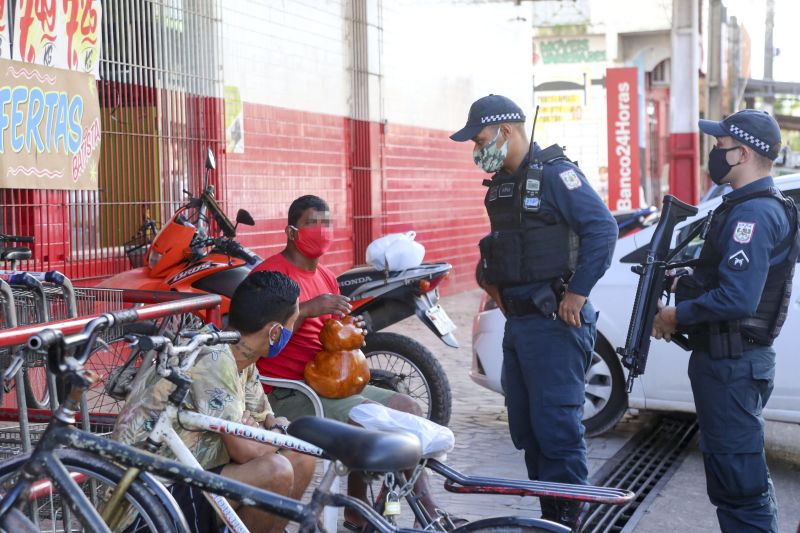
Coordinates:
column 314, row 241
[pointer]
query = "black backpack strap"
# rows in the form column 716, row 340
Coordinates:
column 549, row 154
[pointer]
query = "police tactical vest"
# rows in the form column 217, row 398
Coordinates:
column 525, row 244
column 765, row 325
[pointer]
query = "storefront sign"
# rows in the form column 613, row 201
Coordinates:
column 623, row 138
column 62, row 34
column 559, row 106
column 566, row 51
column 50, row 125
column 5, row 46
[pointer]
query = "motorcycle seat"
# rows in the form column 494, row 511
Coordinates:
column 358, row 448
column 355, row 278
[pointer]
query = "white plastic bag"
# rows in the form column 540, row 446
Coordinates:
column 436, row 440
column 396, row 251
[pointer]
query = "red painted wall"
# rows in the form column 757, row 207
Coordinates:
column 288, row 154
column 424, row 181
column 433, row 188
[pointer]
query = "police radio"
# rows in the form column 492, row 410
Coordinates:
column 532, row 188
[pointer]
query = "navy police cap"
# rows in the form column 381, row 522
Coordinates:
column 756, row 129
column 492, row 109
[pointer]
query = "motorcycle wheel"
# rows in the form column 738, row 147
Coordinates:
column 403, row 365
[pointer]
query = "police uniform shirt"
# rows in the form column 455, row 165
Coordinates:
column 568, row 197
column 752, row 230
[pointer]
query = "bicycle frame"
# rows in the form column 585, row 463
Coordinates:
column 460, row 483
column 164, row 433
column 61, row 432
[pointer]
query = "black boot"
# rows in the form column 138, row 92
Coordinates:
column 571, row 514
column 549, row 508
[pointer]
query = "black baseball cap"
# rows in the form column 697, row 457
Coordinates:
column 492, row 109
column 757, row 129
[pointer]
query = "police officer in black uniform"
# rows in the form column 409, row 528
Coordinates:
column 552, row 238
column 733, row 306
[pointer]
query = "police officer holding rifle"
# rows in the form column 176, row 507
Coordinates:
column 552, row 238
column 732, row 307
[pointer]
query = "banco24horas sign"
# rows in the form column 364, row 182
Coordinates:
column 50, row 125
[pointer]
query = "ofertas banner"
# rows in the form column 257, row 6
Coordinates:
column 50, row 125
column 623, row 138
column 63, row 34
column 5, row 46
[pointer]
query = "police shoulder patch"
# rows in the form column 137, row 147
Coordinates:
column 744, row 232
column 570, row 179
column 739, row 261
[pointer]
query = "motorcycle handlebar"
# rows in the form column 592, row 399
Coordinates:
column 219, row 215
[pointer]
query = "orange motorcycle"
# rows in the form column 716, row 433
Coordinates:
column 185, row 257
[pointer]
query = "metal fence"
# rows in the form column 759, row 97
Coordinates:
column 160, row 92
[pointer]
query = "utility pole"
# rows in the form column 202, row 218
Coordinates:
column 684, row 101
column 769, row 53
column 715, row 106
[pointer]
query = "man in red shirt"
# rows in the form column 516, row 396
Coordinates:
column 308, row 236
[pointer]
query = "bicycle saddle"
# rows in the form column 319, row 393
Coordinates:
column 15, row 253
column 357, row 448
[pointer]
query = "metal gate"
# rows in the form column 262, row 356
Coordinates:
column 161, row 106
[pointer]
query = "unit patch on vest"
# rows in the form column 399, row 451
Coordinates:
column 570, row 179
column 744, row 232
column 739, row 261
column 506, row 190
column 493, row 193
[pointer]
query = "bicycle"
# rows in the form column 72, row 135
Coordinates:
column 348, row 447
column 394, row 486
column 163, row 432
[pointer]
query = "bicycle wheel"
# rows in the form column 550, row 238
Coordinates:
column 97, row 478
column 16, row 522
column 37, row 395
column 108, row 360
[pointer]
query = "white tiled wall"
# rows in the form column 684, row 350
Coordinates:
column 287, row 53
column 436, row 57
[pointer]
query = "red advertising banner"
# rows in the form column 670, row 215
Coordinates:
column 623, row 138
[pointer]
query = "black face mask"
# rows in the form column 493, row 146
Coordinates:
column 718, row 166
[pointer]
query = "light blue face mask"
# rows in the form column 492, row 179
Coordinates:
column 276, row 347
column 490, row 158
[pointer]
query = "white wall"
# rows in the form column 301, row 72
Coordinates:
column 439, row 57
column 287, row 53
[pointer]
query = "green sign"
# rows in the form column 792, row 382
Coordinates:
column 569, row 51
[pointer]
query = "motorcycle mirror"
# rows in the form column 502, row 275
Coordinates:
column 244, row 217
column 211, row 162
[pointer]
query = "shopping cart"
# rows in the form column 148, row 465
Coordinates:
column 43, row 296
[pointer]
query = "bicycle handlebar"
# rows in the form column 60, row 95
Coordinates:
column 49, row 338
column 164, row 344
column 16, row 238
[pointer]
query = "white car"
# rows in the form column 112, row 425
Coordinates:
column 665, row 384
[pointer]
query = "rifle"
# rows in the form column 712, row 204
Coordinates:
column 652, row 285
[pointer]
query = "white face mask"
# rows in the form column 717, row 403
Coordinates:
column 490, row 158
